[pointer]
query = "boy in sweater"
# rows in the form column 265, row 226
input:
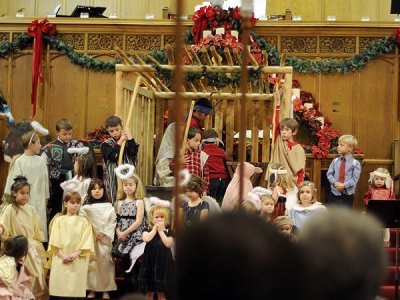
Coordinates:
column 218, row 173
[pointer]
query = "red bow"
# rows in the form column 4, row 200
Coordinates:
column 36, row 30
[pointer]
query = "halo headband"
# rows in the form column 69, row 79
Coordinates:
column 159, row 202
column 125, row 171
column 79, row 151
column 33, row 134
column 70, row 185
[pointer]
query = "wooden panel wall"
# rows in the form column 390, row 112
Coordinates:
column 125, row 9
column 365, row 103
column 310, row 10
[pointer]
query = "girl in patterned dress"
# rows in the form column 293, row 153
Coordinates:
column 130, row 217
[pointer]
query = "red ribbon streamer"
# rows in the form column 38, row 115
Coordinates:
column 36, row 30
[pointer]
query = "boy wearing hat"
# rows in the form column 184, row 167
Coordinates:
column 163, row 175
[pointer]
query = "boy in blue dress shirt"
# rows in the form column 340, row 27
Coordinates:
column 343, row 173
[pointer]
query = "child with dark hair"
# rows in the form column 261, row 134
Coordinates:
column 194, row 159
column 14, row 279
column 20, row 218
column 60, row 163
column 110, row 149
column 85, row 170
column 102, row 215
column 195, row 209
column 34, row 168
column 164, row 174
column 202, row 108
column 216, row 164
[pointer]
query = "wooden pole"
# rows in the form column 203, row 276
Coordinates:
column 246, row 25
column 189, row 119
column 127, row 123
column 178, row 82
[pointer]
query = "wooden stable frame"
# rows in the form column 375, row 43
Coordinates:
column 148, row 118
column 142, row 124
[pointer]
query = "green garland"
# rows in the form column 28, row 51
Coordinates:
column 354, row 63
column 22, row 41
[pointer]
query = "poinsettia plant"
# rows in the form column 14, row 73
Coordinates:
column 227, row 41
column 212, row 17
column 319, row 127
column 97, row 137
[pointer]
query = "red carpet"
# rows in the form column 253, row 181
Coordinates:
column 388, row 290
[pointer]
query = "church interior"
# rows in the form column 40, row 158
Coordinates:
column 334, row 63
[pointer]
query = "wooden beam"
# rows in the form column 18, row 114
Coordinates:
column 216, row 69
column 228, row 96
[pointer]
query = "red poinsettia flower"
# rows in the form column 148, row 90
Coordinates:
column 397, row 33
column 295, row 84
column 210, row 13
column 357, row 150
column 236, row 13
column 318, row 152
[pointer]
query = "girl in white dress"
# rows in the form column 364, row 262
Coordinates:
column 102, row 215
column 34, row 168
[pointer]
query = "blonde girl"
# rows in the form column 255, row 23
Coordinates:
column 157, row 258
column 284, row 225
column 34, row 168
column 71, row 246
column 306, row 206
column 102, row 215
column 20, row 218
column 130, row 216
column 380, row 188
column 283, row 189
column 267, row 207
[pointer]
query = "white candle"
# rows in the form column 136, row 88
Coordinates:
column 220, row 31
column 308, row 105
column 207, row 33
column 296, row 92
column 249, row 48
column 321, row 119
column 235, row 33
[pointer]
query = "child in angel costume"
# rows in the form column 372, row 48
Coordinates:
column 306, row 206
column 102, row 215
column 71, row 246
column 34, row 168
column 20, row 218
column 130, row 218
column 14, row 278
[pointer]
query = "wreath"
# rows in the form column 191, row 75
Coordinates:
column 317, row 126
